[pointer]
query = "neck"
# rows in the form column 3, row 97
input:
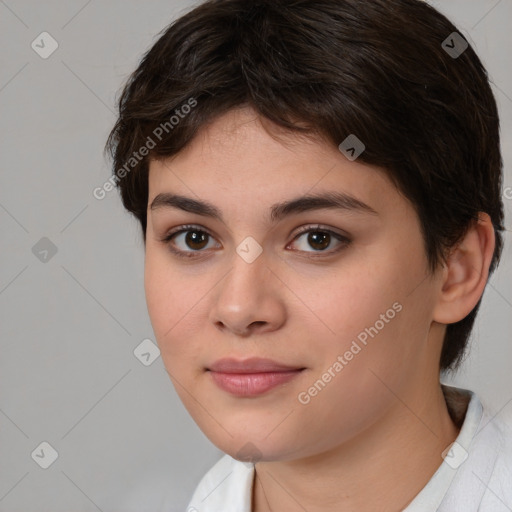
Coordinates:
column 382, row 468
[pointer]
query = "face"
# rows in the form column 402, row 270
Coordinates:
column 340, row 294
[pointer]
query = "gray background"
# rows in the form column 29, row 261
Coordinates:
column 69, row 325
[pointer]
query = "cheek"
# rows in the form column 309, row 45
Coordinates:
column 167, row 296
column 159, row 293
column 176, row 301
column 355, row 368
column 346, row 303
column 368, row 317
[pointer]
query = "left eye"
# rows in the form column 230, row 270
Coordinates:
column 197, row 240
column 320, row 239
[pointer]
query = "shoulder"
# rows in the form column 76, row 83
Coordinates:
column 484, row 477
column 496, row 436
column 226, row 487
column 495, row 432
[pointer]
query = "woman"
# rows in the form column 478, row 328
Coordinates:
column 318, row 187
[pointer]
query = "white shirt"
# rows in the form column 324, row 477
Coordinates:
column 475, row 475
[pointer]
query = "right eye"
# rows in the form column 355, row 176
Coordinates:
column 190, row 236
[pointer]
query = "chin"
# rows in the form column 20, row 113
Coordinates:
column 255, row 449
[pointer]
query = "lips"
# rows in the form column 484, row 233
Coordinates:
column 252, row 376
column 252, row 365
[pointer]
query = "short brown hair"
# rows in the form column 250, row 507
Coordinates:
column 378, row 69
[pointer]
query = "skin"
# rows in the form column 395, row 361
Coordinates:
column 380, row 424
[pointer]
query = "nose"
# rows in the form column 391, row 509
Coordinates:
column 249, row 299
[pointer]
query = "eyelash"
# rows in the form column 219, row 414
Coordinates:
column 307, row 229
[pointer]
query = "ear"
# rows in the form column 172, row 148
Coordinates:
column 465, row 273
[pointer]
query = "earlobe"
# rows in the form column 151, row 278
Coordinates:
column 465, row 272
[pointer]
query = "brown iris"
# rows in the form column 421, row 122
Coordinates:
column 316, row 238
column 196, row 237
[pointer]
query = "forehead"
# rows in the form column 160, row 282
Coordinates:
column 241, row 159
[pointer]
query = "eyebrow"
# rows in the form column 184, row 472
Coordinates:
column 278, row 211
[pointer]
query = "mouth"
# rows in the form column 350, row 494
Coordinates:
column 251, row 377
